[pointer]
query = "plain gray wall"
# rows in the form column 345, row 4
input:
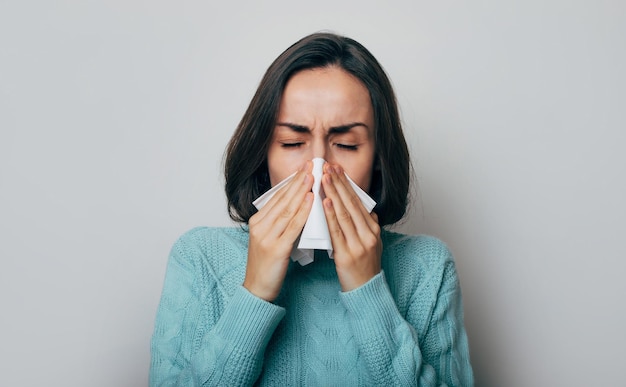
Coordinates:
column 114, row 116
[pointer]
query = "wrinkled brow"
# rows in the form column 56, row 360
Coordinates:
column 332, row 130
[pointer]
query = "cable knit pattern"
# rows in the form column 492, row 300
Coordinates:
column 402, row 328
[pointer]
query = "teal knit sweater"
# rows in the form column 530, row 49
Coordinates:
column 402, row 328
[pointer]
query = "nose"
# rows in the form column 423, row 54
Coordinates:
column 320, row 148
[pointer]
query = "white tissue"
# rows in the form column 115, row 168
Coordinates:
column 315, row 234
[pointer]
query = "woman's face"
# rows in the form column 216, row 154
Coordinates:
column 327, row 113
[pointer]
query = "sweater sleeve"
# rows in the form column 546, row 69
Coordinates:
column 390, row 345
column 193, row 343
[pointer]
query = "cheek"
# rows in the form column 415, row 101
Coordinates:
column 278, row 176
column 277, row 172
column 281, row 166
column 361, row 175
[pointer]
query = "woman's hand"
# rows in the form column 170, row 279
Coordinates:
column 355, row 233
column 273, row 231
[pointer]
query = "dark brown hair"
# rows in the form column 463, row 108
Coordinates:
column 245, row 166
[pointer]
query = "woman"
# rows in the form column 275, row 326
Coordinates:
column 386, row 310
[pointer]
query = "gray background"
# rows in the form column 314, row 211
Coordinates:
column 114, row 117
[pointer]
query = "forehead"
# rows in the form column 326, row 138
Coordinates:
column 325, row 91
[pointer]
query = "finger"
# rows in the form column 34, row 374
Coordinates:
column 295, row 226
column 336, row 234
column 280, row 194
column 287, row 206
column 285, row 190
column 374, row 217
column 350, row 196
column 276, row 198
column 350, row 201
column 341, row 213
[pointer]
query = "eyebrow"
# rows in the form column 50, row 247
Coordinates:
column 332, row 130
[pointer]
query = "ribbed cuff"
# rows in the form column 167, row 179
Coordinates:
column 248, row 322
column 371, row 306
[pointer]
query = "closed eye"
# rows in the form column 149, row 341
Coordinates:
column 347, row 147
column 291, row 144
